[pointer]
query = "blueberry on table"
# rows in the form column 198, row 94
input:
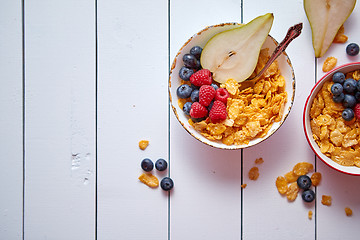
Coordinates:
column 348, row 114
column 349, row 101
column 161, row 164
column 337, row 89
column 196, row 51
column 190, row 61
column 338, row 77
column 187, row 108
column 339, row 98
column 166, row 184
column 308, row 195
column 304, row 182
column 349, row 85
column 147, row 165
column 185, row 73
column 352, row 49
column 184, row 91
column 195, row 95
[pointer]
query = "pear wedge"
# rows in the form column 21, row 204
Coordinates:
column 325, row 18
column 234, row 53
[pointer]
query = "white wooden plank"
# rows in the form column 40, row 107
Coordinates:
column 60, row 120
column 11, row 164
column 343, row 189
column 267, row 214
column 133, row 105
column 206, row 201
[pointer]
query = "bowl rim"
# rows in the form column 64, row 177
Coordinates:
column 233, row 146
column 305, row 116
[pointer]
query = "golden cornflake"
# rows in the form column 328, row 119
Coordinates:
column 143, row 144
column 315, row 178
column 259, row 160
column 149, row 179
column 302, row 168
column 292, row 191
column 329, row 64
column 243, row 185
column 340, row 36
column 291, row 177
column 326, row 200
column 348, row 211
column 310, row 214
column 254, row 173
column 281, row 185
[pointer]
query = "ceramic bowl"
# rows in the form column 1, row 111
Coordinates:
column 201, row 39
column 306, row 120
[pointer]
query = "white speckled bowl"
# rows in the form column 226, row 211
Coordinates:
column 201, row 39
column 306, row 120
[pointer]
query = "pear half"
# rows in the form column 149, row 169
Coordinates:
column 325, row 18
column 234, row 53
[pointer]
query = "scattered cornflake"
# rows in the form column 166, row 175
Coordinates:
column 310, row 214
column 329, row 64
column 340, row 36
column 348, row 211
column 254, row 173
column 315, row 178
column 302, row 168
column 149, row 179
column 326, row 200
column 292, row 191
column 281, row 185
column 143, row 144
column 243, row 185
column 291, row 177
column 259, row 160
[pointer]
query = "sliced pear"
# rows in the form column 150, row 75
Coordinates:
column 325, row 18
column 234, row 53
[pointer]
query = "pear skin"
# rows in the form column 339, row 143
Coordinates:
column 325, row 18
column 234, row 53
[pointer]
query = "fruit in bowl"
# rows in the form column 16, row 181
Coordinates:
column 332, row 118
column 212, row 99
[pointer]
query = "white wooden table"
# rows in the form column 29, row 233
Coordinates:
column 83, row 81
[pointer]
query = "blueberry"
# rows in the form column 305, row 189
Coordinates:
column 349, row 101
column 215, row 86
column 185, row 73
column 348, row 114
column 161, row 164
column 338, row 77
column 196, row 51
column 339, row 98
column 190, row 61
column 352, row 49
column 187, row 108
column 349, row 85
column 308, row 195
column 194, row 87
column 166, row 184
column 198, row 119
column 358, row 85
column 210, row 105
column 184, row 91
column 147, row 165
column 336, row 89
column 304, row 182
column 357, row 96
column 195, row 95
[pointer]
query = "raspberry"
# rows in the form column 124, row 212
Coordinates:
column 198, row 111
column 201, row 77
column 222, row 95
column 218, row 112
column 206, row 95
column 357, row 110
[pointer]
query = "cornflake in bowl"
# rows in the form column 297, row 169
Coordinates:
column 254, row 111
column 334, row 140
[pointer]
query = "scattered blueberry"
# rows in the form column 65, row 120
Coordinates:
column 187, row 108
column 339, row 98
column 349, row 85
column 147, row 165
column 195, row 95
column 338, row 77
column 349, row 101
column 190, row 61
column 215, row 86
column 196, row 51
column 336, row 89
column 348, row 114
column 184, row 91
column 352, row 49
column 185, row 73
column 357, row 96
column 308, row 195
column 167, row 184
column 304, row 182
column 161, row 164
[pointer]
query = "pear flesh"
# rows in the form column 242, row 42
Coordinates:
column 325, row 18
column 234, row 53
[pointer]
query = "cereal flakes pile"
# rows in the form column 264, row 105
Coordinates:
column 251, row 108
column 338, row 139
